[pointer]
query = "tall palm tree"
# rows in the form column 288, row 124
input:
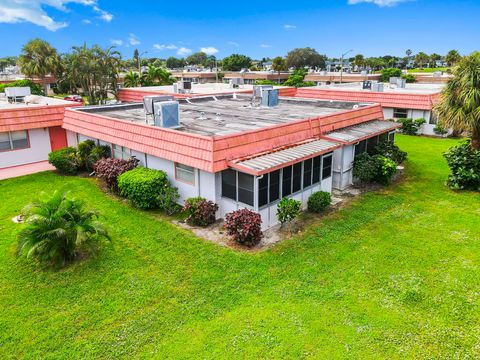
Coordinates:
column 132, row 79
column 459, row 105
column 39, row 58
column 57, row 228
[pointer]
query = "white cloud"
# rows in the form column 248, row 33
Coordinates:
column 265, row 46
column 161, row 47
column 381, row 3
column 34, row 11
column 184, row 51
column 86, row 21
column 116, row 42
column 233, row 43
column 133, row 40
column 210, row 50
column 289, row 27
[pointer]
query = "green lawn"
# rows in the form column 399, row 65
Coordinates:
column 394, row 275
column 428, row 70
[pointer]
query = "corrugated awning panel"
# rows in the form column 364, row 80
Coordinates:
column 361, row 131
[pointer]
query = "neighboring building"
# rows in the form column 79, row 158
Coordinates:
column 327, row 78
column 238, row 154
column 251, row 77
column 414, row 101
column 196, row 77
column 29, row 130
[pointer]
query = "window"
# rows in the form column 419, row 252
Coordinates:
column 287, row 181
column 121, row 152
column 400, row 113
column 307, row 173
column 269, row 188
column 371, row 144
column 360, row 148
column 327, row 166
column 433, row 119
column 297, row 177
column 391, row 136
column 317, row 165
column 14, row 140
column 229, row 184
column 237, row 186
column 185, row 173
column 383, row 137
column 274, row 185
column 263, row 190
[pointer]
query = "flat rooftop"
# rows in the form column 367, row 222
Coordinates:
column 205, row 89
column 32, row 101
column 421, row 89
column 229, row 114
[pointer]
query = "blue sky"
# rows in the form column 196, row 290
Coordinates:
column 267, row 28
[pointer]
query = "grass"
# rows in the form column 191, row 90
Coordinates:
column 428, row 70
column 393, row 275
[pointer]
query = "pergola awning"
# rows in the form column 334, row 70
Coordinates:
column 356, row 133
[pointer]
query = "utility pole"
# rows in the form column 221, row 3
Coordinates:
column 341, row 64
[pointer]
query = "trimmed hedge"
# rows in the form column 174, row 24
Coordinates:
column 319, row 201
column 109, row 170
column 65, row 160
column 376, row 168
column 143, row 186
column 288, row 210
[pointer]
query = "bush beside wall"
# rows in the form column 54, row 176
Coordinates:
column 319, row 201
column 201, row 212
column 244, row 226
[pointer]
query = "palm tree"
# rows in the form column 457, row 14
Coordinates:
column 39, row 58
column 57, row 228
column 453, row 57
column 459, row 105
column 157, row 76
column 132, row 79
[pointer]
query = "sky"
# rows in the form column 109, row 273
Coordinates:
column 258, row 29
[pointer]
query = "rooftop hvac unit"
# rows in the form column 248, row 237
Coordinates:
column 175, row 88
column 378, row 87
column 236, row 81
column 149, row 101
column 393, row 80
column 401, row 83
column 364, row 73
column 166, row 114
column 437, row 73
column 187, row 85
column 17, row 92
column 367, row 85
column 270, row 97
column 258, row 90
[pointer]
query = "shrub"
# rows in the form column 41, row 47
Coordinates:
column 201, row 212
column 35, row 89
column 244, row 226
column 390, row 150
column 65, row 160
column 288, row 209
column 143, row 186
column 318, row 201
column 440, row 130
column 409, row 78
column 56, row 228
column 168, row 200
column 464, row 163
column 374, row 168
column 109, row 170
column 84, row 149
column 410, row 126
column 388, row 73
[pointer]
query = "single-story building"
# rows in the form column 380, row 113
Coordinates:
column 238, row 151
column 29, row 130
column 414, row 101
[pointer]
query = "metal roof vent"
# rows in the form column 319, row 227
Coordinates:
column 167, row 114
column 258, row 89
column 270, row 97
column 377, row 86
column 401, row 83
column 149, row 101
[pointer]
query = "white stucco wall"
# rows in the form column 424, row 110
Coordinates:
column 426, row 129
column 342, row 167
column 38, row 151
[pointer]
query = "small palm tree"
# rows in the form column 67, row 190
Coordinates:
column 57, row 228
column 132, row 79
column 459, row 105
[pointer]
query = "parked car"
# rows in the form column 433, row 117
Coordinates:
column 75, row 98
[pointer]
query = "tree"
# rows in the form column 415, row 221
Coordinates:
column 39, row 58
column 175, row 63
column 408, row 53
column 156, row 76
column 132, row 79
column 421, row 59
column 453, row 57
column 57, row 228
column 296, row 79
column 459, row 105
column 95, row 70
column 198, row 58
column 136, row 58
column 305, row 58
column 433, row 60
column 359, row 61
column 279, row 64
column 236, row 62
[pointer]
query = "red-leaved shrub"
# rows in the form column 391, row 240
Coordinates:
column 244, row 226
column 109, row 170
column 201, row 212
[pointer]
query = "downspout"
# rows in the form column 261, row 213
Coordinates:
column 198, row 182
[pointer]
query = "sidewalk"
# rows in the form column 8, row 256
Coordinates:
column 28, row 169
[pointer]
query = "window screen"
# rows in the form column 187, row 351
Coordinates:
column 229, row 184
column 371, row 144
column 400, row 113
column 245, row 188
column 287, row 181
column 274, row 185
column 263, row 190
column 5, row 141
column 185, row 173
column 307, row 173
column 327, row 167
column 391, row 136
column 360, row 148
column 317, row 163
column 297, row 177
